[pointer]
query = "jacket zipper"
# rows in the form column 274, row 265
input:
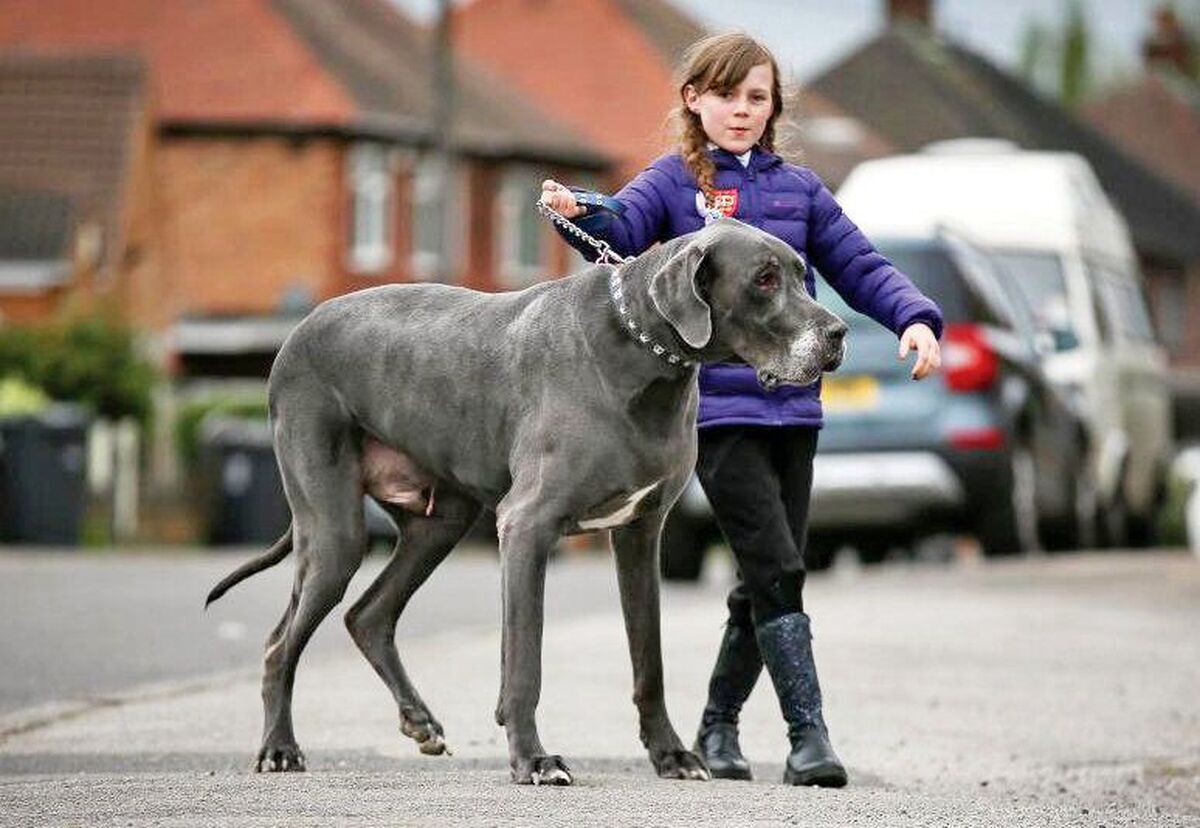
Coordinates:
column 751, row 211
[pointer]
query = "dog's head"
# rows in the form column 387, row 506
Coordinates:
column 732, row 287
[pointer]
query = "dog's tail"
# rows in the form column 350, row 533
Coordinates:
column 281, row 549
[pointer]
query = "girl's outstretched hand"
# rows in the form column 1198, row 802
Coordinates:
column 919, row 337
column 559, row 198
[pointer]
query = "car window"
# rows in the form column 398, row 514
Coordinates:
column 1017, row 302
column 1040, row 278
column 1122, row 304
column 986, row 283
column 936, row 274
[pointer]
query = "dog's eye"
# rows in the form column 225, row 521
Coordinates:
column 767, row 281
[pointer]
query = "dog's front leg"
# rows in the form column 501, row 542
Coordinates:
column 636, row 550
column 525, row 546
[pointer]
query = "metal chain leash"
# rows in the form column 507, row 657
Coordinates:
column 606, row 255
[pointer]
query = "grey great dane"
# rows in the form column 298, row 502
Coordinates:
column 566, row 407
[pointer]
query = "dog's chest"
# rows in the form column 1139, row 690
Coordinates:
column 619, row 509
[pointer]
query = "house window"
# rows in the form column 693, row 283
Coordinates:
column 372, row 195
column 522, row 240
column 437, row 228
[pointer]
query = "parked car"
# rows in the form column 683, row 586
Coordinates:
column 989, row 446
column 1045, row 217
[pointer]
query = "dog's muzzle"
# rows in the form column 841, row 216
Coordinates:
column 813, row 353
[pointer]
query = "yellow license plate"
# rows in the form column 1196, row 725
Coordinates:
column 851, row 393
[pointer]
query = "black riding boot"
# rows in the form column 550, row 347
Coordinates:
column 733, row 677
column 786, row 647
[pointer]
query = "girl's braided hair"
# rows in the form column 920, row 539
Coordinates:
column 719, row 63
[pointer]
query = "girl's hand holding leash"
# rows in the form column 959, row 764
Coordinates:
column 919, row 337
column 560, row 199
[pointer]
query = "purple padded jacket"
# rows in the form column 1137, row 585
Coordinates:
column 789, row 202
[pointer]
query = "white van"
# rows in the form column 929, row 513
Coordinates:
column 1048, row 223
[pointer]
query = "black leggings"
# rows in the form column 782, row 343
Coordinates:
column 758, row 479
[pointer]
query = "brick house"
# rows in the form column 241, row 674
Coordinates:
column 77, row 224
column 604, row 67
column 292, row 160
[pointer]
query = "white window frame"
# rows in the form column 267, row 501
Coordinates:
column 372, row 183
column 442, row 197
column 519, row 188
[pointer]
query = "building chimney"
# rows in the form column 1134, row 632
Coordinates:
column 910, row 11
column 1167, row 45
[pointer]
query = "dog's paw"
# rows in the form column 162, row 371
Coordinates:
column 679, row 764
column 425, row 731
column 279, row 759
column 542, row 770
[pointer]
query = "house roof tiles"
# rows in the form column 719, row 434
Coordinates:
column 351, row 66
column 666, row 27
column 385, row 63
column 1171, row 103
column 66, row 133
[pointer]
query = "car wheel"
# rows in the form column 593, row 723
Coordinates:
column 873, row 552
column 1079, row 529
column 681, row 548
column 1114, row 522
column 1087, row 510
column 1142, row 530
column 1008, row 526
column 819, row 553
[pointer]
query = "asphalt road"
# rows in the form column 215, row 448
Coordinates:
column 79, row 626
column 1054, row 691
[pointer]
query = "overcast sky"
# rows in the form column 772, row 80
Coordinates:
column 808, row 35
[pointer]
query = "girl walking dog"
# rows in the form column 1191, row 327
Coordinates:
column 756, row 445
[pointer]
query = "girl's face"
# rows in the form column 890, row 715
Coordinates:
column 735, row 120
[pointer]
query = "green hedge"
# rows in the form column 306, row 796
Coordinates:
column 92, row 361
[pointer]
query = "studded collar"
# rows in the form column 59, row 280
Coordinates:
column 616, row 293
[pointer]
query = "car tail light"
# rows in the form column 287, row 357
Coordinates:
column 968, row 361
column 977, row 438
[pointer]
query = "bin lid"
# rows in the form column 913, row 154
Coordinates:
column 222, row 429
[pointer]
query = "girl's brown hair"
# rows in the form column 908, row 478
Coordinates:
column 719, row 63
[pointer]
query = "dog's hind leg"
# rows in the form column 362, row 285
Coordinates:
column 424, row 543
column 320, row 466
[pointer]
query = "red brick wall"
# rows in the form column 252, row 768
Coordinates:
column 143, row 287
column 229, row 225
column 480, row 259
column 25, row 308
column 245, row 219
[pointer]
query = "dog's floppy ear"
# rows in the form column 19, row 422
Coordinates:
column 676, row 296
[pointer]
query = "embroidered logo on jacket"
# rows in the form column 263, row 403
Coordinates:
column 725, row 203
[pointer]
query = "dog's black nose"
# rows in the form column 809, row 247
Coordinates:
column 836, row 337
column 836, row 333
